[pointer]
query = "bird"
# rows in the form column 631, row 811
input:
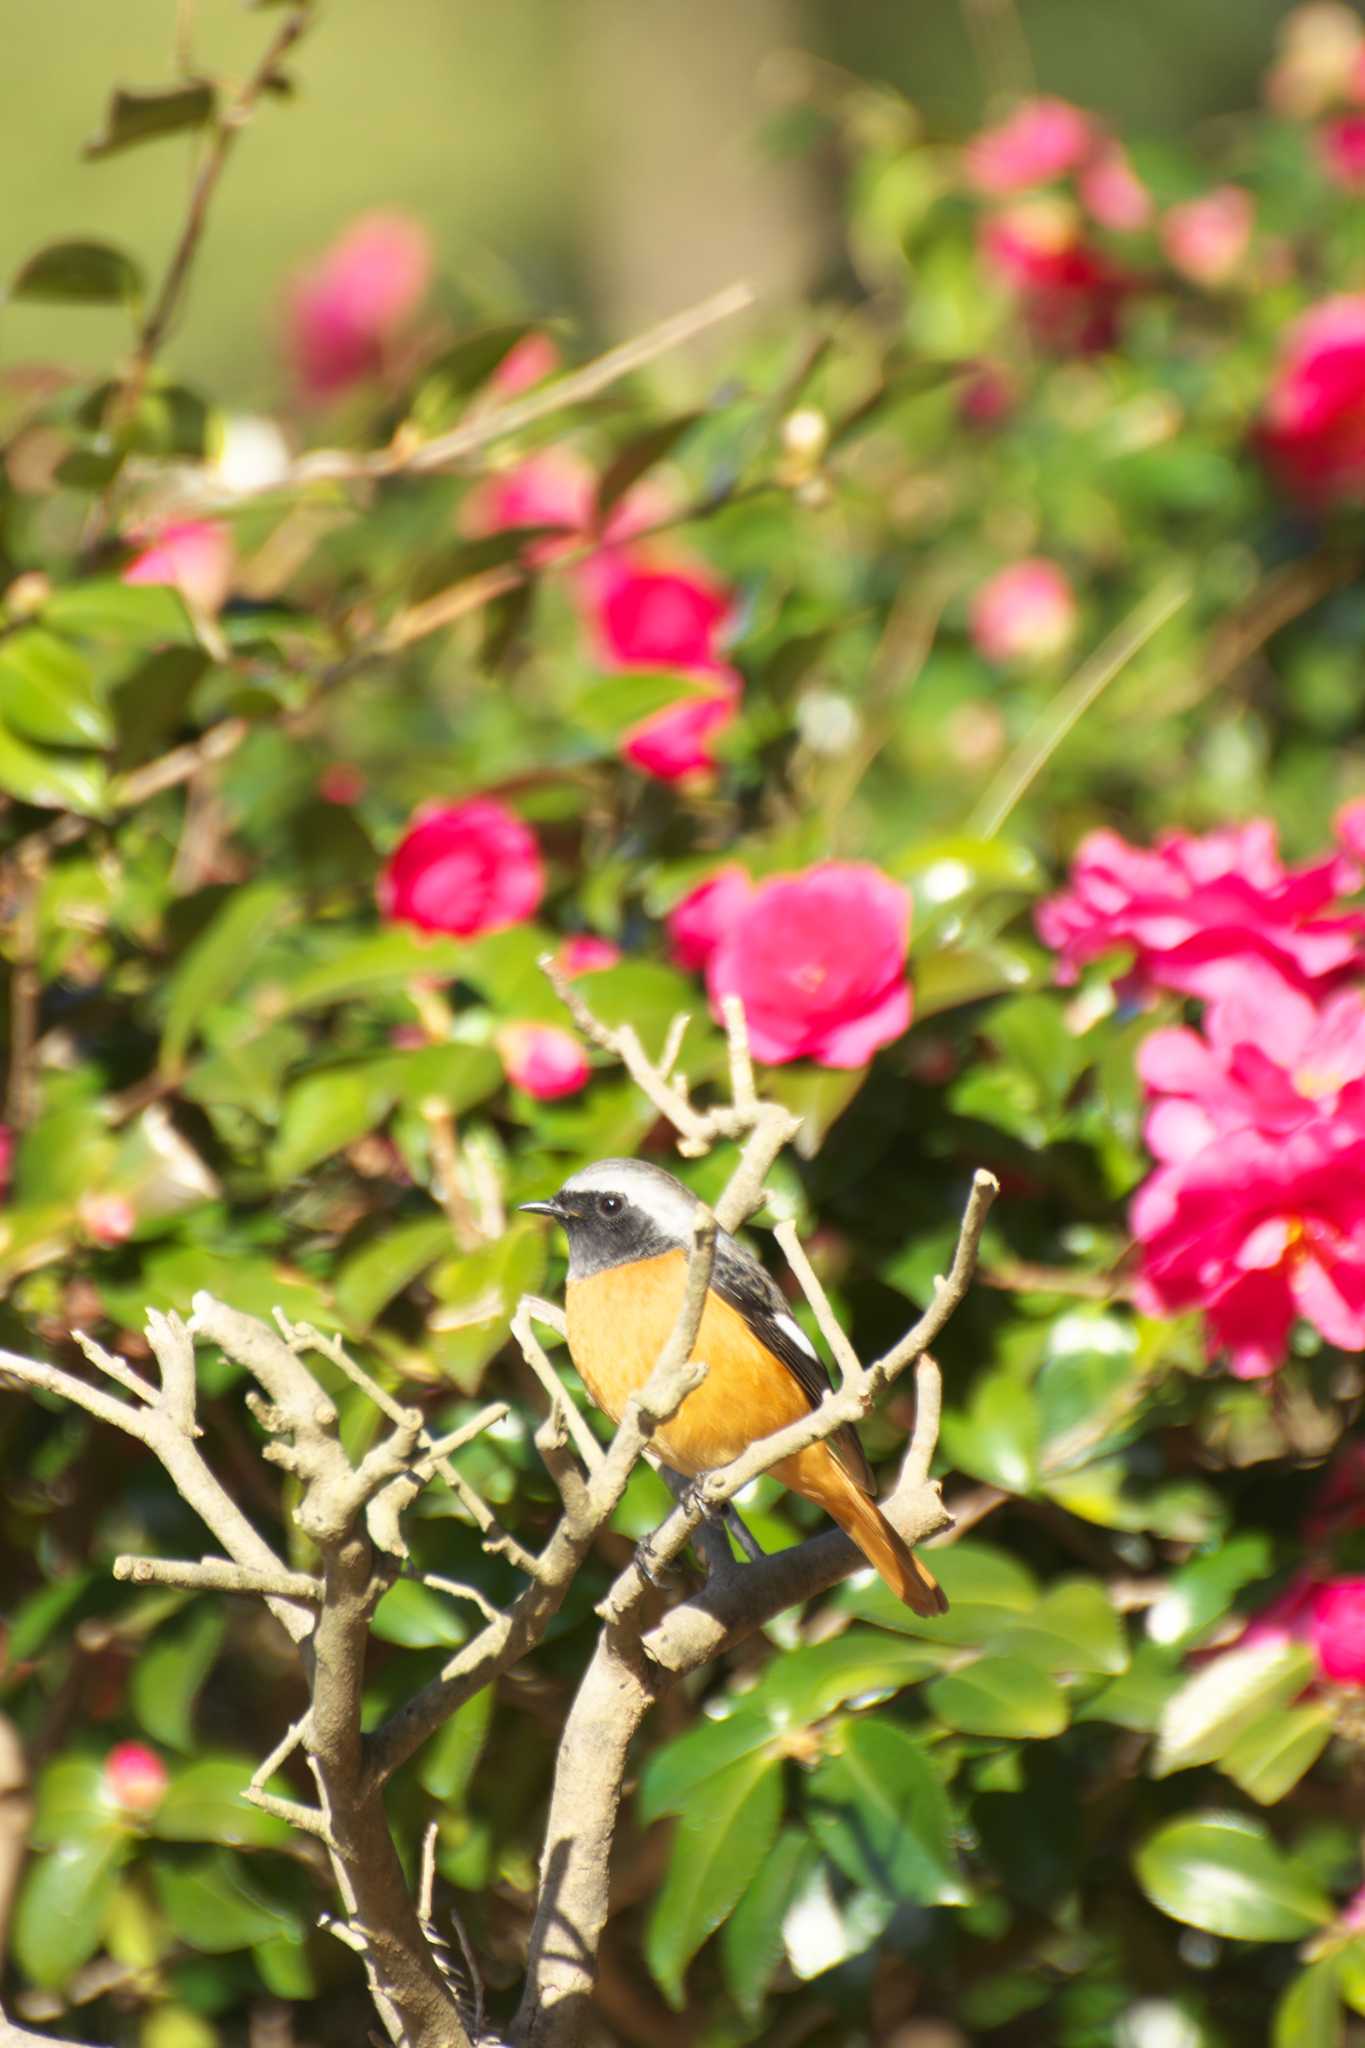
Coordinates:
column 630, row 1228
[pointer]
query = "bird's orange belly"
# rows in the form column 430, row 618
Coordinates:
column 619, row 1321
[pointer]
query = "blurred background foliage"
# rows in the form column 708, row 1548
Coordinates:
column 1039, row 1820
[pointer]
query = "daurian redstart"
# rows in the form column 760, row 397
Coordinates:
column 630, row 1228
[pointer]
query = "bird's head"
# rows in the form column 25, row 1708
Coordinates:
column 620, row 1210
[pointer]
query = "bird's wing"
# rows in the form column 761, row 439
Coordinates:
column 750, row 1289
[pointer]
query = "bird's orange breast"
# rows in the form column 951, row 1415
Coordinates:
column 619, row 1321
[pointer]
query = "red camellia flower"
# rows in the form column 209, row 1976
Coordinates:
column 463, row 868
column 344, row 313
column 534, row 358
column 1112, row 192
column 543, row 1059
column 647, row 618
column 1026, row 613
column 1256, row 1231
column 586, row 953
column 1312, row 430
column 134, row 1778
column 1205, row 239
column 1040, row 140
column 677, row 741
column 1195, row 910
column 1069, row 293
column 1341, row 151
column 818, row 960
column 697, row 920
column 194, row 556
column 1269, row 1059
column 1337, row 1630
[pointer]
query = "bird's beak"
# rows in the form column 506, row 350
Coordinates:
column 540, row 1208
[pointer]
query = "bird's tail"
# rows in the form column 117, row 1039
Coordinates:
column 861, row 1518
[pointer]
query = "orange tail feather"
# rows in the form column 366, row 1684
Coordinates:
column 863, row 1521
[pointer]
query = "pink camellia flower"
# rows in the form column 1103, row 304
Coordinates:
column 107, row 1218
column 134, row 1779
column 1025, row 613
column 1269, row 1059
column 554, row 488
column 1286, row 1618
column 1112, row 192
column 1040, row 140
column 194, row 556
column 1070, row 294
column 344, row 313
column 818, row 960
column 1338, row 1631
column 464, row 868
column 544, row 1060
column 6, row 1158
column 1195, row 910
column 1312, row 431
column 1341, row 151
column 1256, row 1231
column 586, row 953
column 696, row 922
column 1206, row 239
column 679, row 740
column 534, row 358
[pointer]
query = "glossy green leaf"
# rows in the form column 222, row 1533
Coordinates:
column 214, row 1905
column 132, row 615
column 70, row 1803
column 1214, row 1707
column 996, row 1437
column 1074, row 1627
column 219, row 963
column 1309, row 2014
column 368, row 966
column 79, row 273
column 325, row 1112
column 638, row 456
column 286, row 1966
column 448, row 1762
column 1223, row 1873
column 168, row 1674
column 371, row 1277
column 51, row 781
column 204, row 1803
column 1202, row 1591
column 999, row 1695
column 752, row 1944
column 60, row 1912
column 608, row 708
column 987, row 1590
column 449, row 381
column 879, row 1810
column 420, row 1618
column 1268, row 1758
column 132, row 117
column 718, row 1847
column 48, row 692
column 1138, row 1699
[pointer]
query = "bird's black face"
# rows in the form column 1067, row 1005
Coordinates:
column 618, row 1211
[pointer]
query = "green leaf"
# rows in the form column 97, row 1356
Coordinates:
column 167, row 1676
column 372, row 965
column 630, row 463
column 217, row 965
column 48, row 692
column 419, row 1617
column 132, row 117
column 60, row 1912
column 79, row 274
column 751, row 1942
column 447, row 1763
column 212, row 1904
column 371, row 1277
column 286, row 1967
column 616, row 703
column 1201, row 1592
column 205, row 1803
column 1268, row 1758
column 987, row 1589
column 1309, row 2014
column 1212, row 1709
column 996, row 1437
column 71, row 1803
column 879, row 1811
column 1138, row 1699
column 999, row 1696
column 326, row 1111
column 51, row 782
column 1073, row 1628
column 131, row 615
column 455, row 375
column 718, row 1847
column 1222, row 1872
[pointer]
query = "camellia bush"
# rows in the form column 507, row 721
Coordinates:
column 903, row 769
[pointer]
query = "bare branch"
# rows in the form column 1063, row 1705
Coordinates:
column 586, row 1444
column 216, row 1575
column 831, row 1329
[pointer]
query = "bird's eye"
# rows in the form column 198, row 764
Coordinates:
column 609, row 1205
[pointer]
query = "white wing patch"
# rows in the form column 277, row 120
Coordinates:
column 791, row 1328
